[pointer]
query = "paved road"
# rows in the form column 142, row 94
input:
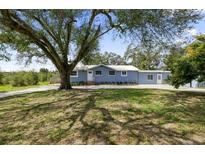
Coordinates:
column 95, row 87
column 30, row 90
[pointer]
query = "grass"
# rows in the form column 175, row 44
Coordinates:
column 8, row 87
column 127, row 116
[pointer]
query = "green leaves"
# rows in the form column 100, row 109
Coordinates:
column 184, row 72
column 191, row 66
column 143, row 57
column 62, row 34
column 156, row 26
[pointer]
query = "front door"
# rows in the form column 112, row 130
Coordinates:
column 159, row 78
column 90, row 75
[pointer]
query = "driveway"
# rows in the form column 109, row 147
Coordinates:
column 141, row 86
column 95, row 87
column 30, row 90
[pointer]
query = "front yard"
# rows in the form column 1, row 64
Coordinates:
column 126, row 116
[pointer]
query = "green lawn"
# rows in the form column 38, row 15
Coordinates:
column 6, row 88
column 129, row 116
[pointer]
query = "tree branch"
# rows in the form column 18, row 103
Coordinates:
column 15, row 23
column 84, row 46
column 106, row 13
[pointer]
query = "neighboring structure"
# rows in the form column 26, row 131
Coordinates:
column 196, row 84
column 117, row 74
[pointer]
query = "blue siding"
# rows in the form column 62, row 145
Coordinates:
column 82, row 77
column 144, row 80
column 131, row 76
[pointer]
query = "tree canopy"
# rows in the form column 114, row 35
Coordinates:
column 191, row 66
column 173, row 53
column 147, row 58
column 106, row 58
column 67, row 36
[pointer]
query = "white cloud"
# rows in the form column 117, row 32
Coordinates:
column 192, row 31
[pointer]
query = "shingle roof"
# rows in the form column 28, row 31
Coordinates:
column 114, row 67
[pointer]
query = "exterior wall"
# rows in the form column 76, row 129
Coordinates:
column 132, row 76
column 196, row 84
column 82, row 77
column 144, row 80
column 201, row 84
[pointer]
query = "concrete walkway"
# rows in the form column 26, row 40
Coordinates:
column 95, row 87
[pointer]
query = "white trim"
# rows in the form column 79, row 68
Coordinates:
column 111, row 75
column 113, row 67
column 153, row 71
column 74, row 76
column 122, row 74
column 88, row 75
column 98, row 75
column 159, row 81
column 152, row 77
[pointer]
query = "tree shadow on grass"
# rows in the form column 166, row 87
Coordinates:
column 142, row 130
column 103, row 127
column 188, row 104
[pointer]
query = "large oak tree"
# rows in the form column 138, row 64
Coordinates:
column 67, row 36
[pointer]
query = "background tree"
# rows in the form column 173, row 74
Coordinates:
column 44, row 74
column 184, row 72
column 1, row 78
column 146, row 58
column 92, row 58
column 174, row 53
column 111, row 58
column 196, row 54
column 106, row 58
column 191, row 66
column 67, row 36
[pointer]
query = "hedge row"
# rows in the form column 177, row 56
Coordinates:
column 24, row 78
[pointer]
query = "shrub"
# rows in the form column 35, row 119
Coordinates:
column 55, row 78
column 6, row 79
column 18, row 80
column 24, row 79
column 31, row 78
column 1, row 78
column 44, row 75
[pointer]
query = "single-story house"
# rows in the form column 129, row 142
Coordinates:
column 120, row 74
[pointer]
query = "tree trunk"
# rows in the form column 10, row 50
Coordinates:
column 191, row 84
column 65, row 80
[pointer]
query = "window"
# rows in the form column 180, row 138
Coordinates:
column 123, row 73
column 90, row 72
column 111, row 73
column 98, row 73
column 74, row 74
column 150, row 77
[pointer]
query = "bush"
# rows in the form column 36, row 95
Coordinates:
column 44, row 75
column 24, row 79
column 6, row 79
column 1, row 78
column 18, row 80
column 31, row 78
column 55, row 78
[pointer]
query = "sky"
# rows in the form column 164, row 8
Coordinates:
column 107, row 43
